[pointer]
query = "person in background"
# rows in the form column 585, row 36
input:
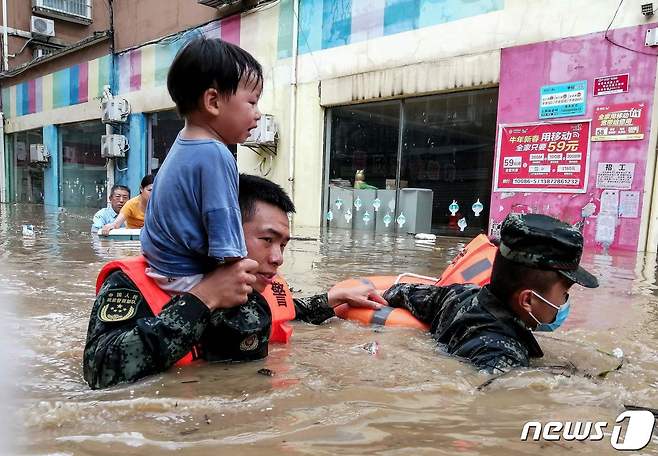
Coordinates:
column 119, row 194
column 132, row 212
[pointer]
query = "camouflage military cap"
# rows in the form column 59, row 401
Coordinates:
column 544, row 242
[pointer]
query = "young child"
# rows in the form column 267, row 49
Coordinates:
column 193, row 221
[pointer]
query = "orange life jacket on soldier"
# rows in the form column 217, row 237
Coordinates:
column 277, row 295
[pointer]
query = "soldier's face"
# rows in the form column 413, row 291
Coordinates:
column 266, row 234
column 557, row 294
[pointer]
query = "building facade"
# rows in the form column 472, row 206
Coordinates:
column 444, row 115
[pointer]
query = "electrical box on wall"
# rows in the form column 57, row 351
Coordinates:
column 264, row 133
column 39, row 153
column 264, row 137
column 115, row 110
column 114, row 146
column 651, row 37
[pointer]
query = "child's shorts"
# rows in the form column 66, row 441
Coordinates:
column 174, row 285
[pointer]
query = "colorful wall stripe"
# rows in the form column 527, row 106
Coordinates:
column 135, row 70
column 230, row 29
column 324, row 24
column 146, row 67
column 77, row 84
column 286, row 23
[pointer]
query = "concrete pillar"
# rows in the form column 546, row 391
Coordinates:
column 136, row 162
column 4, row 174
column 51, row 174
column 129, row 171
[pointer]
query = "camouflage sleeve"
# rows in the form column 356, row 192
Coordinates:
column 126, row 342
column 423, row 301
column 313, row 309
column 494, row 353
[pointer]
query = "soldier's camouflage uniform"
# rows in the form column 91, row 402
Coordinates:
column 125, row 342
column 469, row 322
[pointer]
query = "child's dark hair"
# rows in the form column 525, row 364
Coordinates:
column 146, row 181
column 508, row 277
column 254, row 189
column 209, row 62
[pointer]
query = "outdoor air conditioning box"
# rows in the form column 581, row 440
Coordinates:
column 38, row 153
column 114, row 146
column 42, row 27
column 114, row 110
column 264, row 133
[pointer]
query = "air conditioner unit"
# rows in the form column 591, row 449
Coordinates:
column 114, row 110
column 266, row 133
column 42, row 27
column 114, row 146
column 39, row 153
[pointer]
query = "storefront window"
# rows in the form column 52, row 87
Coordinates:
column 364, row 137
column 165, row 126
column 27, row 177
column 84, row 176
column 446, row 154
column 448, row 148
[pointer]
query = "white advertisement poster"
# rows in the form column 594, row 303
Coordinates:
column 609, row 202
column 616, row 176
column 629, row 203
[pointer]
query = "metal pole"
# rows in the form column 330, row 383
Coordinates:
column 110, row 163
column 3, row 177
column 5, row 35
column 293, row 99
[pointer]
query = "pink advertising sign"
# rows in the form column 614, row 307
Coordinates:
column 608, row 85
column 619, row 122
column 543, row 157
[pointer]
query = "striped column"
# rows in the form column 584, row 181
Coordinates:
column 51, row 173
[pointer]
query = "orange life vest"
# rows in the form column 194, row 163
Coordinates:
column 472, row 265
column 277, row 295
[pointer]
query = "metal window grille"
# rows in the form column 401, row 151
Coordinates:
column 79, row 8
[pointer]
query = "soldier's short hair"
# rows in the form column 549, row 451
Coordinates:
column 508, row 277
column 254, row 189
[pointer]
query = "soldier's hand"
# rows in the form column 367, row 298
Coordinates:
column 228, row 285
column 364, row 296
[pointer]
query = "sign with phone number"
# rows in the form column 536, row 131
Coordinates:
column 543, row 157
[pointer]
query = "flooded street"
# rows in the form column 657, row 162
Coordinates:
column 329, row 395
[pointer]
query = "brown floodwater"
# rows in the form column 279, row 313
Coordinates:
column 329, row 395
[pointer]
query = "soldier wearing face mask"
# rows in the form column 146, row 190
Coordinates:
column 536, row 264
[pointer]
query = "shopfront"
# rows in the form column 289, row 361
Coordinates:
column 164, row 127
column 421, row 164
column 26, row 178
column 84, row 176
